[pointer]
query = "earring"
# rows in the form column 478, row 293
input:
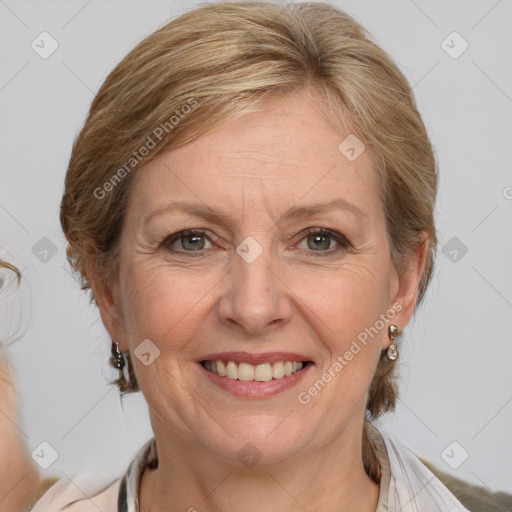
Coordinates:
column 117, row 359
column 392, row 351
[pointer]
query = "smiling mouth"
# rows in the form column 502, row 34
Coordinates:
column 260, row 372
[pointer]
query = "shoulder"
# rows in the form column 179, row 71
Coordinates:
column 84, row 493
column 474, row 497
column 412, row 486
column 79, row 494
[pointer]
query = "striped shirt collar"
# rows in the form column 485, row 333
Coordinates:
column 146, row 458
column 407, row 485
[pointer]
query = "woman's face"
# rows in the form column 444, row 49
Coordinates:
column 258, row 285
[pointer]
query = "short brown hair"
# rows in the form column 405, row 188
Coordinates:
column 227, row 59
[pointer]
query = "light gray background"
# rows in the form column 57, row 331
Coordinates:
column 456, row 379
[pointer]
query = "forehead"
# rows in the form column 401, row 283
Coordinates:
column 286, row 152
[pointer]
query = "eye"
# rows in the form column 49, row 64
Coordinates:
column 189, row 240
column 321, row 240
column 318, row 240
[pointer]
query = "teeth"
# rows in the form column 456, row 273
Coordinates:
column 232, row 370
column 278, row 370
column 245, row 371
column 262, row 372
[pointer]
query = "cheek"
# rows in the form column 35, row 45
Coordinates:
column 346, row 315
column 162, row 303
column 349, row 299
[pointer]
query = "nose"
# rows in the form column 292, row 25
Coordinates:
column 256, row 300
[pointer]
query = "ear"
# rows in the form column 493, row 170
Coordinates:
column 109, row 305
column 406, row 287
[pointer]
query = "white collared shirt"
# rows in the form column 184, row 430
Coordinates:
column 407, row 485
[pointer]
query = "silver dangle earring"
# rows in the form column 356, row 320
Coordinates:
column 117, row 359
column 392, row 350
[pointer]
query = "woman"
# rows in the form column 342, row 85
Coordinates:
column 19, row 478
column 250, row 202
column 18, row 475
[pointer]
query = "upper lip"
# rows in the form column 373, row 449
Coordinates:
column 246, row 357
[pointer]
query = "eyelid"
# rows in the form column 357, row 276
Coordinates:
column 340, row 238
column 174, row 237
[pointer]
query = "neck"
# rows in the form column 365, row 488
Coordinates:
column 331, row 479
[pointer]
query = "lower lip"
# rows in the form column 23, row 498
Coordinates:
column 255, row 389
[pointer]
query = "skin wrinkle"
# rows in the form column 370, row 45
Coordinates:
column 218, row 218
column 283, row 300
column 253, row 156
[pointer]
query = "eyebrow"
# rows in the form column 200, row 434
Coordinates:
column 207, row 212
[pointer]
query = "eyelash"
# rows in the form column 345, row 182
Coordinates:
column 341, row 239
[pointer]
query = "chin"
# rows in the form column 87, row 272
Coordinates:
column 261, row 439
